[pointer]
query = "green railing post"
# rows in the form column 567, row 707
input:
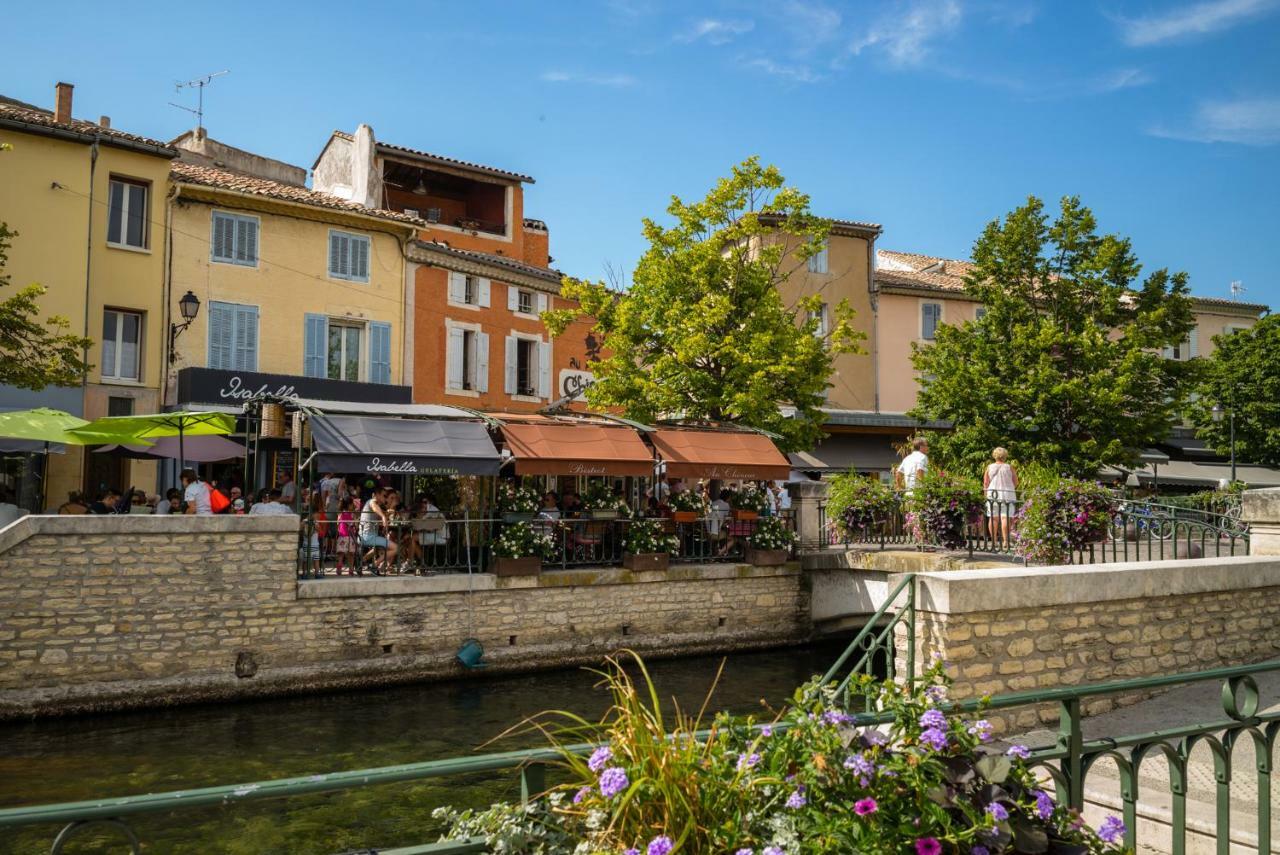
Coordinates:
column 533, row 781
column 1071, row 740
column 911, row 633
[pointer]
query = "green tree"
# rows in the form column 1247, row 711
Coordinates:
column 1243, row 376
column 1065, row 368
column 703, row 332
column 34, row 353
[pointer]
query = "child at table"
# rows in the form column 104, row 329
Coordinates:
column 346, row 543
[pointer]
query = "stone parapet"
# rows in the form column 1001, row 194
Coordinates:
column 1261, row 510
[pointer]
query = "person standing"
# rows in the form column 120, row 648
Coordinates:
column 196, row 494
column 1000, row 483
column 288, row 489
column 913, row 467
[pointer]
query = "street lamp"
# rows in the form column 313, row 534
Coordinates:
column 189, row 306
column 1218, row 413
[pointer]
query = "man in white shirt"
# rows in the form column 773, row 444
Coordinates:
column 196, row 494
column 271, row 507
column 914, row 465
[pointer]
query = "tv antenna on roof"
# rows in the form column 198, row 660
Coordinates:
column 198, row 84
column 1237, row 288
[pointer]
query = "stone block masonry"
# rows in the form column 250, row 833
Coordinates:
column 1022, row 629
column 128, row 611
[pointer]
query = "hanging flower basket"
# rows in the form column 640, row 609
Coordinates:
column 528, row 566
column 767, row 557
column 638, row 561
column 684, row 516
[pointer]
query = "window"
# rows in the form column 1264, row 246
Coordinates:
column 343, row 352
column 121, row 345
column 528, row 369
column 818, row 262
column 930, row 317
column 980, row 313
column 468, row 290
column 332, row 349
column 119, row 406
column 233, row 336
column 819, row 316
column 467, row 360
column 127, row 213
column 235, row 239
column 523, row 301
column 348, row 256
column 1185, row 350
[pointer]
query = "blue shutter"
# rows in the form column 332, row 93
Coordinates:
column 245, row 356
column 379, row 353
column 337, row 244
column 360, row 258
column 317, row 337
column 221, row 319
column 223, row 237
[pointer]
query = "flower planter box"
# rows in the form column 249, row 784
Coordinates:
column 518, row 517
column 684, row 516
column 767, row 557
column 645, row 560
column 529, row 566
column 603, row 514
column 740, row 515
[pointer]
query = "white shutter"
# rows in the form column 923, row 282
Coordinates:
column 542, row 303
column 509, row 375
column 457, row 287
column 1192, row 344
column 544, row 369
column 482, row 362
column 484, row 292
column 513, row 298
column 453, row 358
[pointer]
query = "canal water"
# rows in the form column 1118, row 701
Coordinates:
column 185, row 747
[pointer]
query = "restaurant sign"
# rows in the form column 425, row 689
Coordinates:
column 232, row 388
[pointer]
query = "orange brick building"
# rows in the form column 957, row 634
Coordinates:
column 478, row 276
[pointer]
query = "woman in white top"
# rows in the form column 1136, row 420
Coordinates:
column 1000, row 483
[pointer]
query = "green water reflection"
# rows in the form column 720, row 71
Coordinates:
column 68, row 760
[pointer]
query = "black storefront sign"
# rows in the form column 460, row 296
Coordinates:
column 232, row 388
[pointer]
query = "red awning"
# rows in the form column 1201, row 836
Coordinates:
column 725, row 455
column 577, row 449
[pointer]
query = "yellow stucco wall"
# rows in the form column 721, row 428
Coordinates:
column 290, row 281
column 51, row 249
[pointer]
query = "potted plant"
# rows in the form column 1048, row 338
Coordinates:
column 518, row 501
column 648, row 546
column 748, row 502
column 770, row 544
column 521, row 549
column 859, row 504
column 1062, row 518
column 941, row 508
column 687, row 506
column 600, row 503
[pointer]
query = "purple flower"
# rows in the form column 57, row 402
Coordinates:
column 1112, row 829
column 997, row 811
column 860, row 765
column 979, row 850
column 766, row 731
column 746, row 761
column 928, row 846
column 1044, row 804
column 934, row 738
column 773, row 850
column 580, row 795
column 745, row 851
column 1019, row 751
column 981, row 729
column 796, row 800
column 631, row 851
column 937, row 694
column 660, row 846
column 933, row 718
column 599, row 758
column 613, row 781
column 835, row 717
column 862, row 807
column 874, row 737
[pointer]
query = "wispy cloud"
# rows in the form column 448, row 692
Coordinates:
column 716, row 31
column 1248, row 121
column 590, row 78
column 793, row 73
column 1197, row 19
column 906, row 33
column 1114, row 81
column 811, row 23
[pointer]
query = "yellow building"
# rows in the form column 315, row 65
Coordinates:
column 87, row 203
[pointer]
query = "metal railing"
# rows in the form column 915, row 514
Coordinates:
column 1139, row 531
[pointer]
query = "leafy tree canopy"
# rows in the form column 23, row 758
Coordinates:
column 1066, row 367
column 1243, row 376
column 34, row 353
column 703, row 332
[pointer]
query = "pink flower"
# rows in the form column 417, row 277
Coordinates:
column 862, row 807
column 928, row 846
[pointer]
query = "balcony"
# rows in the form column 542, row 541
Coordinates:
column 443, row 198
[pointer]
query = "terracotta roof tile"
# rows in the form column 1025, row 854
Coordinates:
column 549, row 274
column 17, row 111
column 441, row 159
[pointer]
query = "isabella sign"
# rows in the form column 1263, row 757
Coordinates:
column 215, row 386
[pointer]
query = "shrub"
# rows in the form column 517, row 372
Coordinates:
column 649, row 535
column 523, row 540
column 941, row 507
column 599, row 496
column 517, row 497
column 689, row 500
column 858, row 502
column 771, row 533
column 810, row 782
column 749, row 497
column 1056, row 521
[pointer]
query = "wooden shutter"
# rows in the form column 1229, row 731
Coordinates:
column 359, row 258
column 245, row 339
column 544, row 369
column 483, row 297
column 339, row 255
column 930, row 316
column 509, row 374
column 246, row 241
column 513, row 298
column 223, row 237
column 457, row 287
column 453, row 358
column 482, row 362
column 1192, row 343
column 379, row 353
column 542, row 303
column 221, row 320
column 316, row 340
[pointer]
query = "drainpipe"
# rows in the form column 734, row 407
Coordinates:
column 88, row 257
column 875, row 323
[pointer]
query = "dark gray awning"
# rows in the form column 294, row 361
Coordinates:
column 841, row 452
column 350, row 444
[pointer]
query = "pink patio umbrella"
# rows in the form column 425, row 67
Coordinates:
column 199, row 449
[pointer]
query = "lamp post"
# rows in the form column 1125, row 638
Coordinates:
column 189, row 306
column 1230, row 413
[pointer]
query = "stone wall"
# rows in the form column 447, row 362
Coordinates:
column 109, row 612
column 1023, row 629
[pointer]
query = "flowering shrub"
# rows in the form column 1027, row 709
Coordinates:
column 689, row 500
column 771, row 533
column 1056, row 521
column 523, row 540
column 649, row 535
column 749, row 497
column 811, row 782
column 517, row 498
column 599, row 496
column 858, row 502
column 941, row 507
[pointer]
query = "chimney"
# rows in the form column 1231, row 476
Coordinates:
column 104, row 121
column 62, row 104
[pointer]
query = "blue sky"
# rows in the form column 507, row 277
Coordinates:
column 928, row 116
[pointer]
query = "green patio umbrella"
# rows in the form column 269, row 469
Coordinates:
column 42, row 425
column 132, row 430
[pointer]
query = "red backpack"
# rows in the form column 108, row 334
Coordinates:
column 218, row 501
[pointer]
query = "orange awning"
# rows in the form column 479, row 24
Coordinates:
column 725, row 455
column 577, row 449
